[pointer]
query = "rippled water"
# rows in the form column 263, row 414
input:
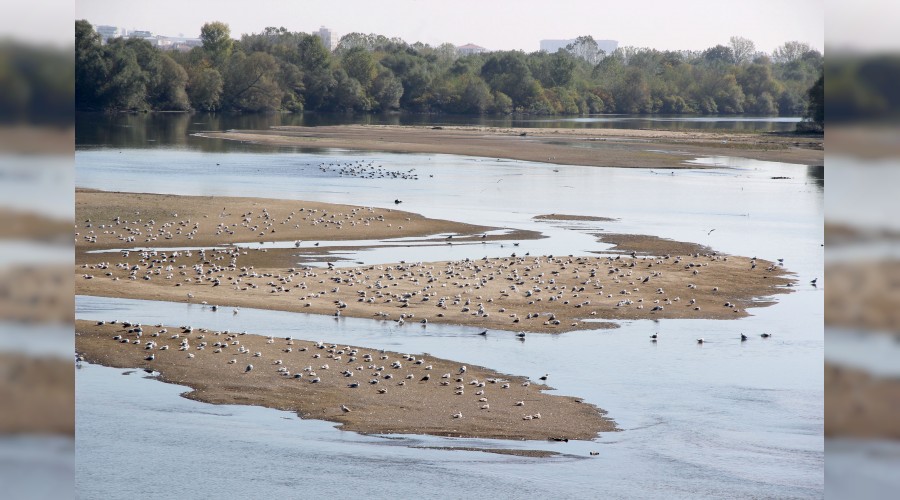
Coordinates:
column 723, row 419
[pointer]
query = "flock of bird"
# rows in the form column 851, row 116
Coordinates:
column 542, row 292
column 333, row 365
column 367, row 169
column 254, row 222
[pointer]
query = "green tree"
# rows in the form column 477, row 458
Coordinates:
column 743, row 49
column 250, row 82
column 386, row 90
column 359, row 64
column 217, row 42
column 90, row 67
column 169, row 92
column 205, row 89
column 815, row 112
column 586, row 48
column 790, row 52
column 313, row 54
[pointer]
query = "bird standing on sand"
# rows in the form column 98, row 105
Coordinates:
column 345, row 409
column 248, row 369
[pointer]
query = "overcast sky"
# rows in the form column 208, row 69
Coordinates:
column 495, row 24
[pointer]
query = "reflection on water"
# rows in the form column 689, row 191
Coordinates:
column 154, row 129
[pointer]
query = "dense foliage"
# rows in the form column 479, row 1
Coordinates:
column 282, row 70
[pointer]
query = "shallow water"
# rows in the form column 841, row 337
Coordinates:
column 722, row 419
column 725, row 418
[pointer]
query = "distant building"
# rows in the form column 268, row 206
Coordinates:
column 470, row 49
column 329, row 38
column 107, row 32
column 551, row 46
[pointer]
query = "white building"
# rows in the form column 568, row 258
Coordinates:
column 470, row 49
column 107, row 32
column 329, row 38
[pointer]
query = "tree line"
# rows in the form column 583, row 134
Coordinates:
column 280, row 70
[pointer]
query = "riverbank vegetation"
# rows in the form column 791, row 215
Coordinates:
column 279, row 70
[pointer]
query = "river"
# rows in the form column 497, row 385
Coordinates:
column 722, row 419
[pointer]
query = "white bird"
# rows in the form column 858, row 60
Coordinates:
column 345, row 409
column 457, row 415
column 249, row 367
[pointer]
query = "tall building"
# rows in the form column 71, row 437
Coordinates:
column 329, row 38
column 107, row 32
column 551, row 46
column 469, row 49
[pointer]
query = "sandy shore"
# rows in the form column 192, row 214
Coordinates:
column 518, row 293
column 522, row 293
column 399, row 403
column 860, row 405
column 592, row 147
column 128, row 220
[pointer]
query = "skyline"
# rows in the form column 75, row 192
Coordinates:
column 660, row 25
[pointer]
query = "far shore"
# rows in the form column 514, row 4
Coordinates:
column 590, row 147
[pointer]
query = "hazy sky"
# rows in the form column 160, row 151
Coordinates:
column 495, row 24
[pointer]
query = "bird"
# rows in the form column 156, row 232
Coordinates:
column 545, row 376
column 766, row 335
column 483, row 333
column 654, row 336
column 462, row 369
column 710, row 231
column 248, row 369
column 813, row 282
column 426, row 378
column 595, row 453
column 457, row 415
column 150, row 357
column 345, row 409
column 397, row 202
column 700, row 340
column 743, row 337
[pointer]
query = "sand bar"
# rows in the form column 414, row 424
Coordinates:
column 591, row 147
column 128, row 220
column 391, row 396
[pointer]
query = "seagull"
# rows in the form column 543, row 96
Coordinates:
column 249, row 367
column 743, row 337
column 426, row 378
column 483, row 333
column 813, row 282
column 345, row 409
column 397, row 202
column 700, row 340
column 766, row 335
column 710, row 231
column 545, row 376
column 654, row 336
